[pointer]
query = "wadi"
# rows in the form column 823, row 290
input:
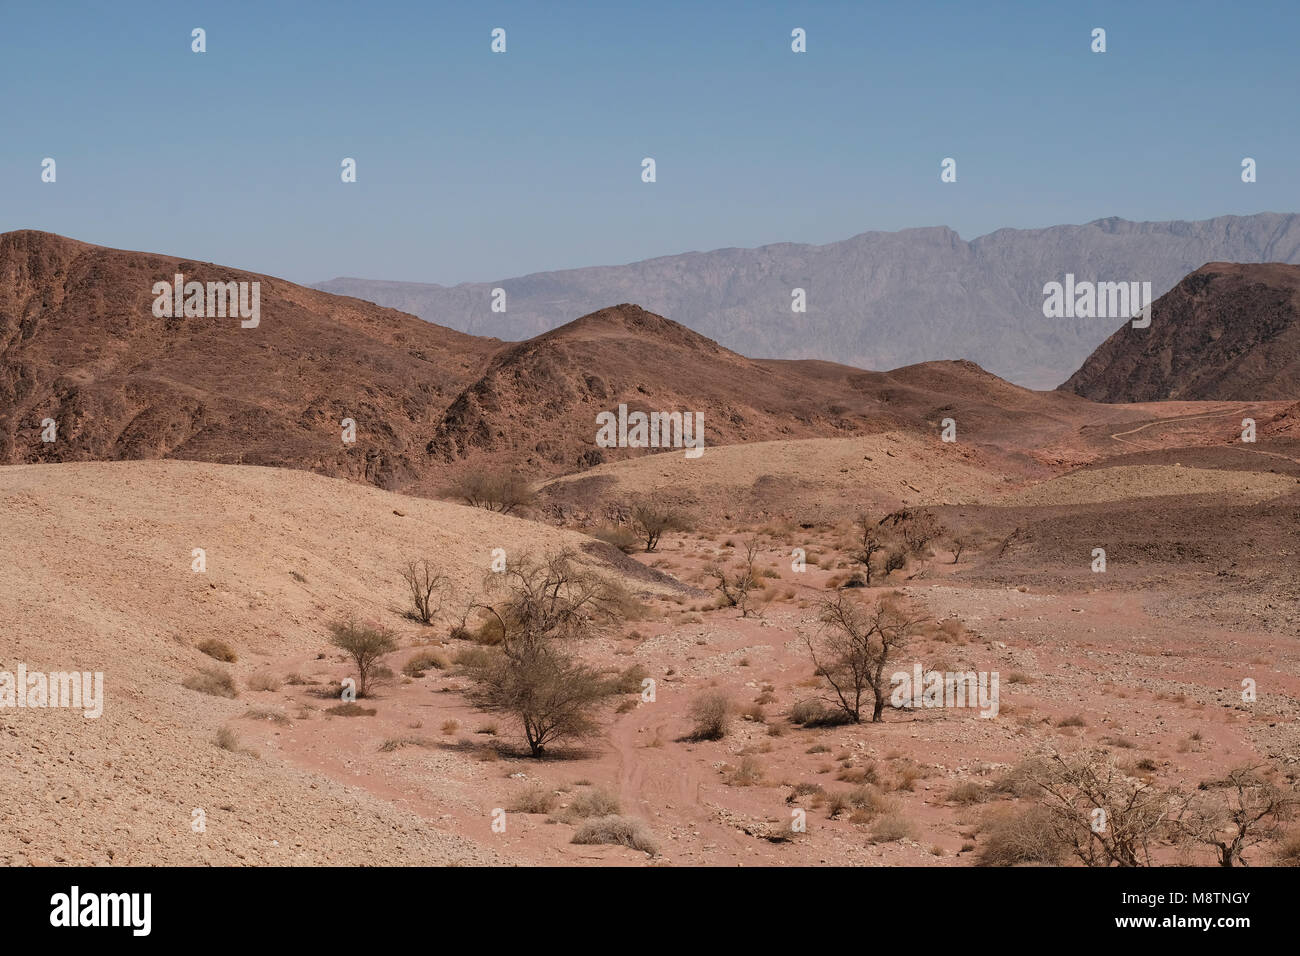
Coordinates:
column 477, row 634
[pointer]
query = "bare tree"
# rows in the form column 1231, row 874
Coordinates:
column 737, row 586
column 502, row 492
column 651, row 520
column 1103, row 816
column 917, row 529
column 366, row 644
column 1234, row 813
column 869, row 541
column 854, row 645
column 423, row 584
column 546, row 606
column 959, row 544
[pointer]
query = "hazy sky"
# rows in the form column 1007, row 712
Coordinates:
column 478, row 166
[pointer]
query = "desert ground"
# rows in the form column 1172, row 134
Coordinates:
column 222, row 688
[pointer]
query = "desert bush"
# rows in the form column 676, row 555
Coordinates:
column 533, row 799
column 263, row 681
column 228, row 740
column 594, row 802
column 737, row 586
column 426, row 590
column 350, row 709
column 1013, row 836
column 619, row 831
column 892, row 827
column 212, row 680
column 266, row 713
column 504, row 493
column 366, row 644
column 749, row 773
column 1288, row 852
column 621, row 537
column 629, row 680
column 814, row 713
column 218, row 650
column 710, row 712
column 423, row 661
column 968, row 792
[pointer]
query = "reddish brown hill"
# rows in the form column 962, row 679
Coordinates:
column 1227, row 331
column 79, row 344
column 538, row 400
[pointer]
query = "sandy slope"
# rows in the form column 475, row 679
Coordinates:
column 96, row 576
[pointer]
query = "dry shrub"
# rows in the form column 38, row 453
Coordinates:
column 891, row 828
column 533, row 799
column 350, row 710
column 264, row 681
column 227, row 740
column 619, row 536
column 592, row 803
column 629, row 681
column 425, row 660
column 618, row 831
column 1288, row 853
column 1014, row 836
column 710, row 714
column 497, row 491
column 212, row 680
column 814, row 713
column 748, row 774
column 968, row 792
column 218, row 650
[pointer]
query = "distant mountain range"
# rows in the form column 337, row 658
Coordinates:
column 875, row 301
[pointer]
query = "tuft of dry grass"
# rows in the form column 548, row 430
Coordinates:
column 618, row 831
column 212, row 680
column 264, row 680
column 533, row 799
column 218, row 650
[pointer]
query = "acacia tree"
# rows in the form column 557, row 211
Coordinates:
column 546, row 606
column 366, row 644
column 917, row 529
column 854, row 645
column 650, row 520
column 1233, row 813
column 423, row 583
column 1104, row 816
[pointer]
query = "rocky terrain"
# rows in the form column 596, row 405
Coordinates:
column 1227, row 331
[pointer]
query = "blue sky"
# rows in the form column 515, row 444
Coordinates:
column 478, row 166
